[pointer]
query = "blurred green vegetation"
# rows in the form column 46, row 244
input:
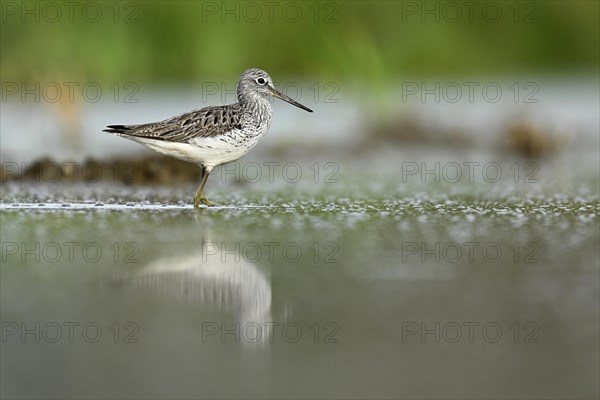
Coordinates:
column 371, row 42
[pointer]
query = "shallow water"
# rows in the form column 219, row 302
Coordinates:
column 113, row 292
column 385, row 270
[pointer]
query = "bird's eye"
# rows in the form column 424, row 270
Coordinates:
column 261, row 81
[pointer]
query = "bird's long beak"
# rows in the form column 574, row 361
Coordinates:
column 283, row 97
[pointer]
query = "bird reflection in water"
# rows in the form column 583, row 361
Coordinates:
column 214, row 277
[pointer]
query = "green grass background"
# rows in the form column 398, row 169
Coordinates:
column 370, row 42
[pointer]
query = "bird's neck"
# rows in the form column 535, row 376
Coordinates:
column 257, row 106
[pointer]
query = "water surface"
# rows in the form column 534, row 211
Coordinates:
column 304, row 295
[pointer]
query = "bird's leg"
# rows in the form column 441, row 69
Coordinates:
column 200, row 198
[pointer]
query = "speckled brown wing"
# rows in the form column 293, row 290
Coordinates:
column 206, row 122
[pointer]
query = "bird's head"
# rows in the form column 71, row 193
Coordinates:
column 255, row 81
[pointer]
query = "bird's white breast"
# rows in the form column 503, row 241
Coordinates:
column 211, row 151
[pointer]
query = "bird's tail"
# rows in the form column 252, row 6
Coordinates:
column 118, row 129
